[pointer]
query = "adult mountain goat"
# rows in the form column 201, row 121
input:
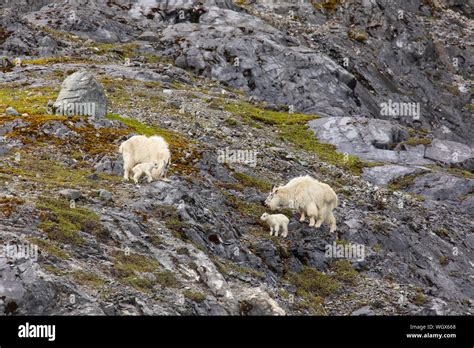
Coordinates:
column 310, row 197
column 141, row 149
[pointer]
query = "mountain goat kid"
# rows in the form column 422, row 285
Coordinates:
column 275, row 221
column 141, row 149
column 308, row 196
column 145, row 168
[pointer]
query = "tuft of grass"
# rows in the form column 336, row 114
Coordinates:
column 344, row 272
column 130, row 269
column 167, row 279
column 357, row 35
column 419, row 299
column 312, row 287
column 460, row 172
column 284, row 294
column 142, row 128
column 126, row 50
column 313, row 303
column 54, row 270
column 62, row 223
column 54, row 60
column 413, row 141
column 230, row 268
column 304, row 138
column 443, row 260
column 248, row 209
column 60, row 35
column 377, row 247
column 402, row 182
column 249, row 111
column 87, row 279
column 194, row 296
column 328, row 5
column 442, row 232
column 50, row 247
column 250, row 181
column 314, row 282
column 171, row 219
column 231, row 122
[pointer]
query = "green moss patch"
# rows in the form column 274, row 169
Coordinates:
column 37, row 170
column 126, row 50
column 170, row 217
column 87, row 279
column 312, row 287
column 249, row 209
column 26, row 100
column 130, row 269
column 442, row 232
column 194, row 296
column 251, row 181
column 304, row 138
column 228, row 267
column 413, row 141
column 357, row 35
column 247, row 110
column 344, row 272
column 402, row 182
column 56, row 60
column 50, row 247
column 314, row 282
column 62, row 223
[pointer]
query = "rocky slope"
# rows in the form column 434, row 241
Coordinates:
column 302, row 85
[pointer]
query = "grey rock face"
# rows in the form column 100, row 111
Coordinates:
column 57, row 129
column 70, row 194
column 440, row 186
column 369, row 139
column 81, row 94
column 383, row 175
column 109, row 166
column 10, row 126
column 149, row 36
column 25, row 5
column 248, row 54
column 105, row 195
column 363, row 311
column 449, row 152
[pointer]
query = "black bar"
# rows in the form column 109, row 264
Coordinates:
column 291, row 331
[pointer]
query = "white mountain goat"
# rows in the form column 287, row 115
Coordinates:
column 145, row 168
column 308, row 196
column 141, row 149
column 276, row 221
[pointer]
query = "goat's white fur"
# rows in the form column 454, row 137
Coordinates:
column 276, row 221
column 310, row 197
column 141, row 149
column 145, row 168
